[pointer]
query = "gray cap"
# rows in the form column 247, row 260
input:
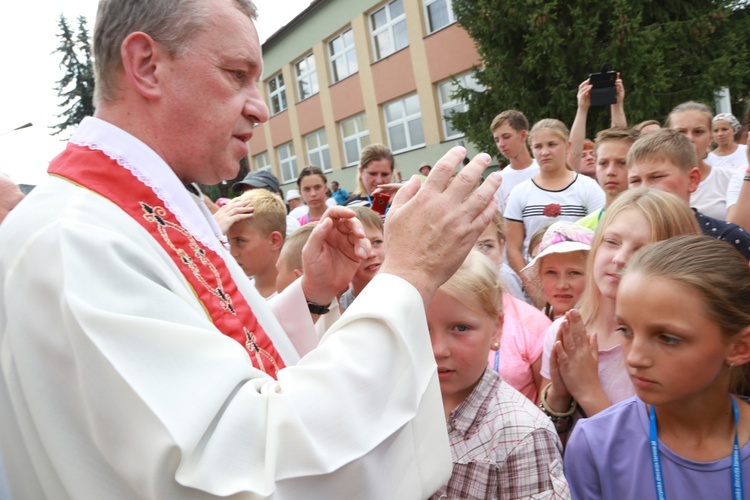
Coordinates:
column 262, row 179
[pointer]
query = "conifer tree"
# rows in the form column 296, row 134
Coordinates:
column 535, row 53
column 76, row 87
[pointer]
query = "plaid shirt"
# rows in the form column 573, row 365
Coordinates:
column 502, row 447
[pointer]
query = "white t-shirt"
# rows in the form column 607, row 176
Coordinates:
column 735, row 160
column 304, row 209
column 537, row 207
column 711, row 196
column 511, row 179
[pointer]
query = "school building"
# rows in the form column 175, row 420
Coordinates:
column 347, row 73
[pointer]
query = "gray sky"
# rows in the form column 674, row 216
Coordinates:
column 28, row 37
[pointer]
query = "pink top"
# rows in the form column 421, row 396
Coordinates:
column 520, row 345
column 613, row 374
column 305, row 219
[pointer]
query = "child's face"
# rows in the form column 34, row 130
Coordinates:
column 461, row 339
column 313, row 190
column 588, row 163
column 252, row 250
column 696, row 126
column 509, row 141
column 611, row 166
column 723, row 132
column 563, row 279
column 662, row 174
column 369, row 267
column 627, row 232
column 672, row 350
column 549, row 149
column 488, row 244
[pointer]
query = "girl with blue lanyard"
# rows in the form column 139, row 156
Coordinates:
column 684, row 316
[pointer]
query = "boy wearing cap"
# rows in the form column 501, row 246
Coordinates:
column 294, row 202
column 263, row 179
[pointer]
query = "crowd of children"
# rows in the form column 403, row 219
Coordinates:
column 602, row 316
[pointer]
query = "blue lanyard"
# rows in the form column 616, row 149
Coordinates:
column 737, row 493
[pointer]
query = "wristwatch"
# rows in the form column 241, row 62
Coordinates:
column 317, row 308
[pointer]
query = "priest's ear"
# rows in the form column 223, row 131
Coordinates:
column 141, row 58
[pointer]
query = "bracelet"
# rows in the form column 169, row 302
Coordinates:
column 746, row 178
column 317, row 308
column 556, row 416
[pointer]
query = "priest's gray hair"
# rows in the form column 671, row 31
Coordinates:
column 172, row 23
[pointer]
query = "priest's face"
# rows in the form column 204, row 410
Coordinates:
column 210, row 97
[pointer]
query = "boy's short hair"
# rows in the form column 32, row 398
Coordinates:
column 368, row 217
column 644, row 124
column 665, row 144
column 269, row 214
column 512, row 117
column 624, row 134
column 291, row 252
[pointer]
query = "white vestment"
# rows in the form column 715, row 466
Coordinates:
column 116, row 385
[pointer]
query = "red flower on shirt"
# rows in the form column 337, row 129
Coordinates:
column 552, row 210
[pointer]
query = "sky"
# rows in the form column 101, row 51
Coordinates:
column 30, row 70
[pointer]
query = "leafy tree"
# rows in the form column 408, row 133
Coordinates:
column 535, row 53
column 76, row 87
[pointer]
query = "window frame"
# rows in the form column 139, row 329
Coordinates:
column 451, row 15
column 266, row 164
column 322, row 150
column 404, row 121
column 453, row 104
column 279, row 93
column 344, row 54
column 389, row 28
column 358, row 136
column 291, row 160
column 308, row 76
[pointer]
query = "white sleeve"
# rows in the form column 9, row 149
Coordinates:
column 516, row 202
column 550, row 336
column 735, row 186
column 595, row 196
column 117, row 385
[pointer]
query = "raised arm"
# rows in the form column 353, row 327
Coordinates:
column 618, row 109
column 578, row 129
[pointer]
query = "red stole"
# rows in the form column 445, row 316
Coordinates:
column 205, row 271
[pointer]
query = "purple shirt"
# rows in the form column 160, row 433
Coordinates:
column 608, row 456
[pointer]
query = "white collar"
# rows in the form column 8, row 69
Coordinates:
column 148, row 167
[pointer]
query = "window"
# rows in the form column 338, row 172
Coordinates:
column 450, row 105
column 277, row 94
column 439, row 14
column 307, row 77
column 343, row 57
column 260, row 161
column 388, row 25
column 317, row 150
column 356, row 136
column 288, row 162
column 403, row 120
